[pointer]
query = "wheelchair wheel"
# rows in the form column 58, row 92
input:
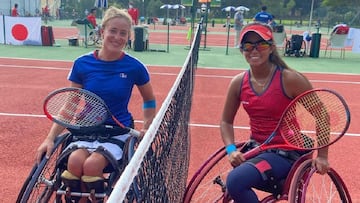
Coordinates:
column 42, row 182
column 302, row 51
column 208, row 183
column 91, row 40
column 135, row 192
column 287, row 51
column 309, row 186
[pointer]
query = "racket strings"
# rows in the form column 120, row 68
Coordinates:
column 317, row 119
column 76, row 108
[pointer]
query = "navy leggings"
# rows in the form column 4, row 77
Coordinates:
column 243, row 178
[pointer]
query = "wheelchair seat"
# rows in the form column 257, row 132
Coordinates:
column 44, row 183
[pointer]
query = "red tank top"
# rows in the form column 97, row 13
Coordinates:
column 266, row 108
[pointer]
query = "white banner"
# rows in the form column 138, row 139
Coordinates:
column 23, row 30
column 1, row 29
column 354, row 34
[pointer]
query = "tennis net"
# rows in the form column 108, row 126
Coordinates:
column 158, row 170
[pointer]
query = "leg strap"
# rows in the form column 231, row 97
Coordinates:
column 262, row 166
column 93, row 183
column 265, row 169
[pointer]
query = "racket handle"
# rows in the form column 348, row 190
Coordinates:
column 252, row 153
column 134, row 132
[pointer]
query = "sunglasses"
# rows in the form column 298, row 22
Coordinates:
column 259, row 46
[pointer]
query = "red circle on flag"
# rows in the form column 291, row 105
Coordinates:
column 19, row 32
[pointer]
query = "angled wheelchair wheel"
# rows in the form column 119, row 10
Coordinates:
column 135, row 192
column 91, row 39
column 309, row 186
column 42, row 182
column 302, row 51
column 208, row 183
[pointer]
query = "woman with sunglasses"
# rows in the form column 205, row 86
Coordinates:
column 264, row 91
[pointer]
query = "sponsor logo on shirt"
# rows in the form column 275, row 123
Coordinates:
column 123, row 75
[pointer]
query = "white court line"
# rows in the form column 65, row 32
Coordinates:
column 139, row 121
column 175, row 74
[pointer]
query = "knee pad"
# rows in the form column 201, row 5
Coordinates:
column 94, row 183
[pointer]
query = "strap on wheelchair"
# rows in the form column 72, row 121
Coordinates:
column 103, row 133
column 64, row 155
column 273, row 185
column 62, row 160
column 291, row 155
column 112, row 161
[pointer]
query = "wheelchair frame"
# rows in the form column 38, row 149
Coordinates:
column 208, row 183
column 44, row 183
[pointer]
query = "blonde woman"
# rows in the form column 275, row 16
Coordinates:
column 111, row 73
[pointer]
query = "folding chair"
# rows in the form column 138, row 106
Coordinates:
column 337, row 41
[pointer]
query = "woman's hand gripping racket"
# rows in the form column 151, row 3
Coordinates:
column 313, row 120
column 77, row 108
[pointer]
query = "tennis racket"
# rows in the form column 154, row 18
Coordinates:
column 313, row 120
column 78, row 109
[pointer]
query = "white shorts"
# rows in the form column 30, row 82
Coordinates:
column 114, row 149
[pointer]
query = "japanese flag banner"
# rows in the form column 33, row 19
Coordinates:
column 22, row 30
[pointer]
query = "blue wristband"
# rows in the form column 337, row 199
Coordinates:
column 149, row 104
column 230, row 148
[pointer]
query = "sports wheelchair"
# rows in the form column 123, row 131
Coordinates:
column 44, row 182
column 302, row 185
column 295, row 46
column 87, row 33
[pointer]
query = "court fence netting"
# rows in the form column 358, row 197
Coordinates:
column 158, row 170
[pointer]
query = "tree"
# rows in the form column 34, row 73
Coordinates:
column 343, row 11
column 342, row 3
column 279, row 9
